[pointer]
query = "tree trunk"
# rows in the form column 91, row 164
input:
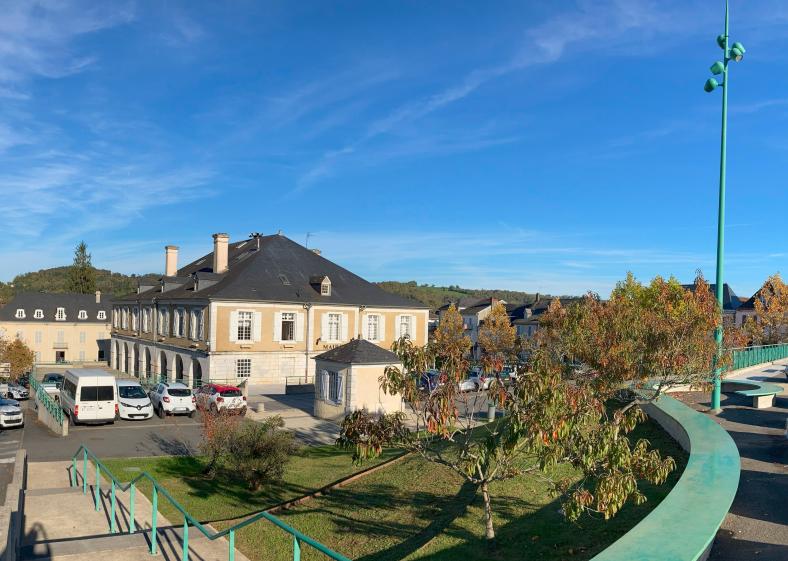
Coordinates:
column 488, row 515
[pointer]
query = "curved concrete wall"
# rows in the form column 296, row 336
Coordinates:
column 684, row 525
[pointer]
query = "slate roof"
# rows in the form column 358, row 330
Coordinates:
column 730, row 302
column 49, row 303
column 359, row 351
column 279, row 270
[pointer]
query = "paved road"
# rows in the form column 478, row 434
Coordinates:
column 757, row 525
column 154, row 437
column 10, row 442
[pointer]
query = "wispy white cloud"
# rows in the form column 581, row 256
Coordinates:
column 619, row 26
column 36, row 38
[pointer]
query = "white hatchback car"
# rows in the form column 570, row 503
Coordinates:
column 133, row 402
column 11, row 414
column 172, row 399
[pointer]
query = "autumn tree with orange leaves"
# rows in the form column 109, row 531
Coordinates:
column 560, row 409
column 769, row 326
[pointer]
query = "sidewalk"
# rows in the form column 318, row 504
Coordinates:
column 757, row 525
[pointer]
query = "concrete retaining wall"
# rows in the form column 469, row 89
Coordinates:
column 11, row 511
column 45, row 417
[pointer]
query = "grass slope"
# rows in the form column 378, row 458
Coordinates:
column 411, row 510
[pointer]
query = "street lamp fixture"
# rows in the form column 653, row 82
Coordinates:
column 734, row 53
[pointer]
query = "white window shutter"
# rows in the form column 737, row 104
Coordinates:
column 234, row 327
column 324, row 327
column 381, row 327
column 277, row 326
column 340, row 396
column 413, row 327
column 343, row 328
column 257, row 321
column 398, row 326
column 324, row 384
column 299, row 327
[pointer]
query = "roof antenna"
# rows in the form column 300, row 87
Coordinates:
column 308, row 235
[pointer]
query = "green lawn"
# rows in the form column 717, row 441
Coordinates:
column 227, row 498
column 411, row 510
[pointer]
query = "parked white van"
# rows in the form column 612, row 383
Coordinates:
column 89, row 396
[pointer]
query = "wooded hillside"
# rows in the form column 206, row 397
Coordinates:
column 56, row 280
column 436, row 296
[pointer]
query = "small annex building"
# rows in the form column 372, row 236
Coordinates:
column 346, row 380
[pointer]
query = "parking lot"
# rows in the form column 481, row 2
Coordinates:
column 154, row 437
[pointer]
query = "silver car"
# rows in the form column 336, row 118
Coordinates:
column 11, row 414
column 15, row 391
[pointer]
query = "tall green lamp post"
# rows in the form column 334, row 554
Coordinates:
column 734, row 53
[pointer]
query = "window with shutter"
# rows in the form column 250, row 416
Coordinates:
column 288, row 326
column 244, row 326
column 334, row 327
column 373, row 327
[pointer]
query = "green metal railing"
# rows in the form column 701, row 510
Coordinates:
column 751, row 356
column 188, row 520
column 43, row 397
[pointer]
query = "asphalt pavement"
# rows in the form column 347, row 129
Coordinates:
column 152, row 437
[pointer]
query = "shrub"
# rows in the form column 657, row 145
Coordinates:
column 260, row 451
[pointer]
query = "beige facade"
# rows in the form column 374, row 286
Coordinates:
column 341, row 389
column 61, row 341
column 258, row 309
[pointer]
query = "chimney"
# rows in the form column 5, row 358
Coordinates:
column 98, row 297
column 220, row 242
column 316, row 251
column 170, row 260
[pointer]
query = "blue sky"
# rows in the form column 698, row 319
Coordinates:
column 541, row 146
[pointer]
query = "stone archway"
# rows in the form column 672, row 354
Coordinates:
column 135, row 363
column 178, row 369
column 163, row 367
column 124, row 359
column 196, row 373
column 148, row 365
column 116, row 354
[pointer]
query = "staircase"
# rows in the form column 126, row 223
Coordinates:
column 61, row 523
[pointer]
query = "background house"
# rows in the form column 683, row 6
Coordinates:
column 60, row 327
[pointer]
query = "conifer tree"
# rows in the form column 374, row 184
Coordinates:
column 82, row 275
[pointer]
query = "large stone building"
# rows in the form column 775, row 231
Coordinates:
column 60, row 327
column 257, row 309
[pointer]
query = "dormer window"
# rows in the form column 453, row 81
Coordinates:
column 60, row 315
column 20, row 314
column 321, row 283
column 82, row 314
column 38, row 314
column 102, row 314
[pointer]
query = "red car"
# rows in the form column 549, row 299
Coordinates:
column 218, row 398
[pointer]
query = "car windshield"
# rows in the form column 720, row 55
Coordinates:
column 179, row 392
column 12, row 402
column 53, row 378
column 131, row 392
column 235, row 392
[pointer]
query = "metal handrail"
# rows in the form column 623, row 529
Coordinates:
column 188, row 520
column 744, row 357
column 51, row 405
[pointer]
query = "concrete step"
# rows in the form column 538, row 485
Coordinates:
column 60, row 523
column 121, row 546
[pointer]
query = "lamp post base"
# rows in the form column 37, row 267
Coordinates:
column 716, row 411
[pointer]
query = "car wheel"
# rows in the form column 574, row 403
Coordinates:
column 214, row 409
column 242, row 413
column 191, row 414
column 160, row 412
